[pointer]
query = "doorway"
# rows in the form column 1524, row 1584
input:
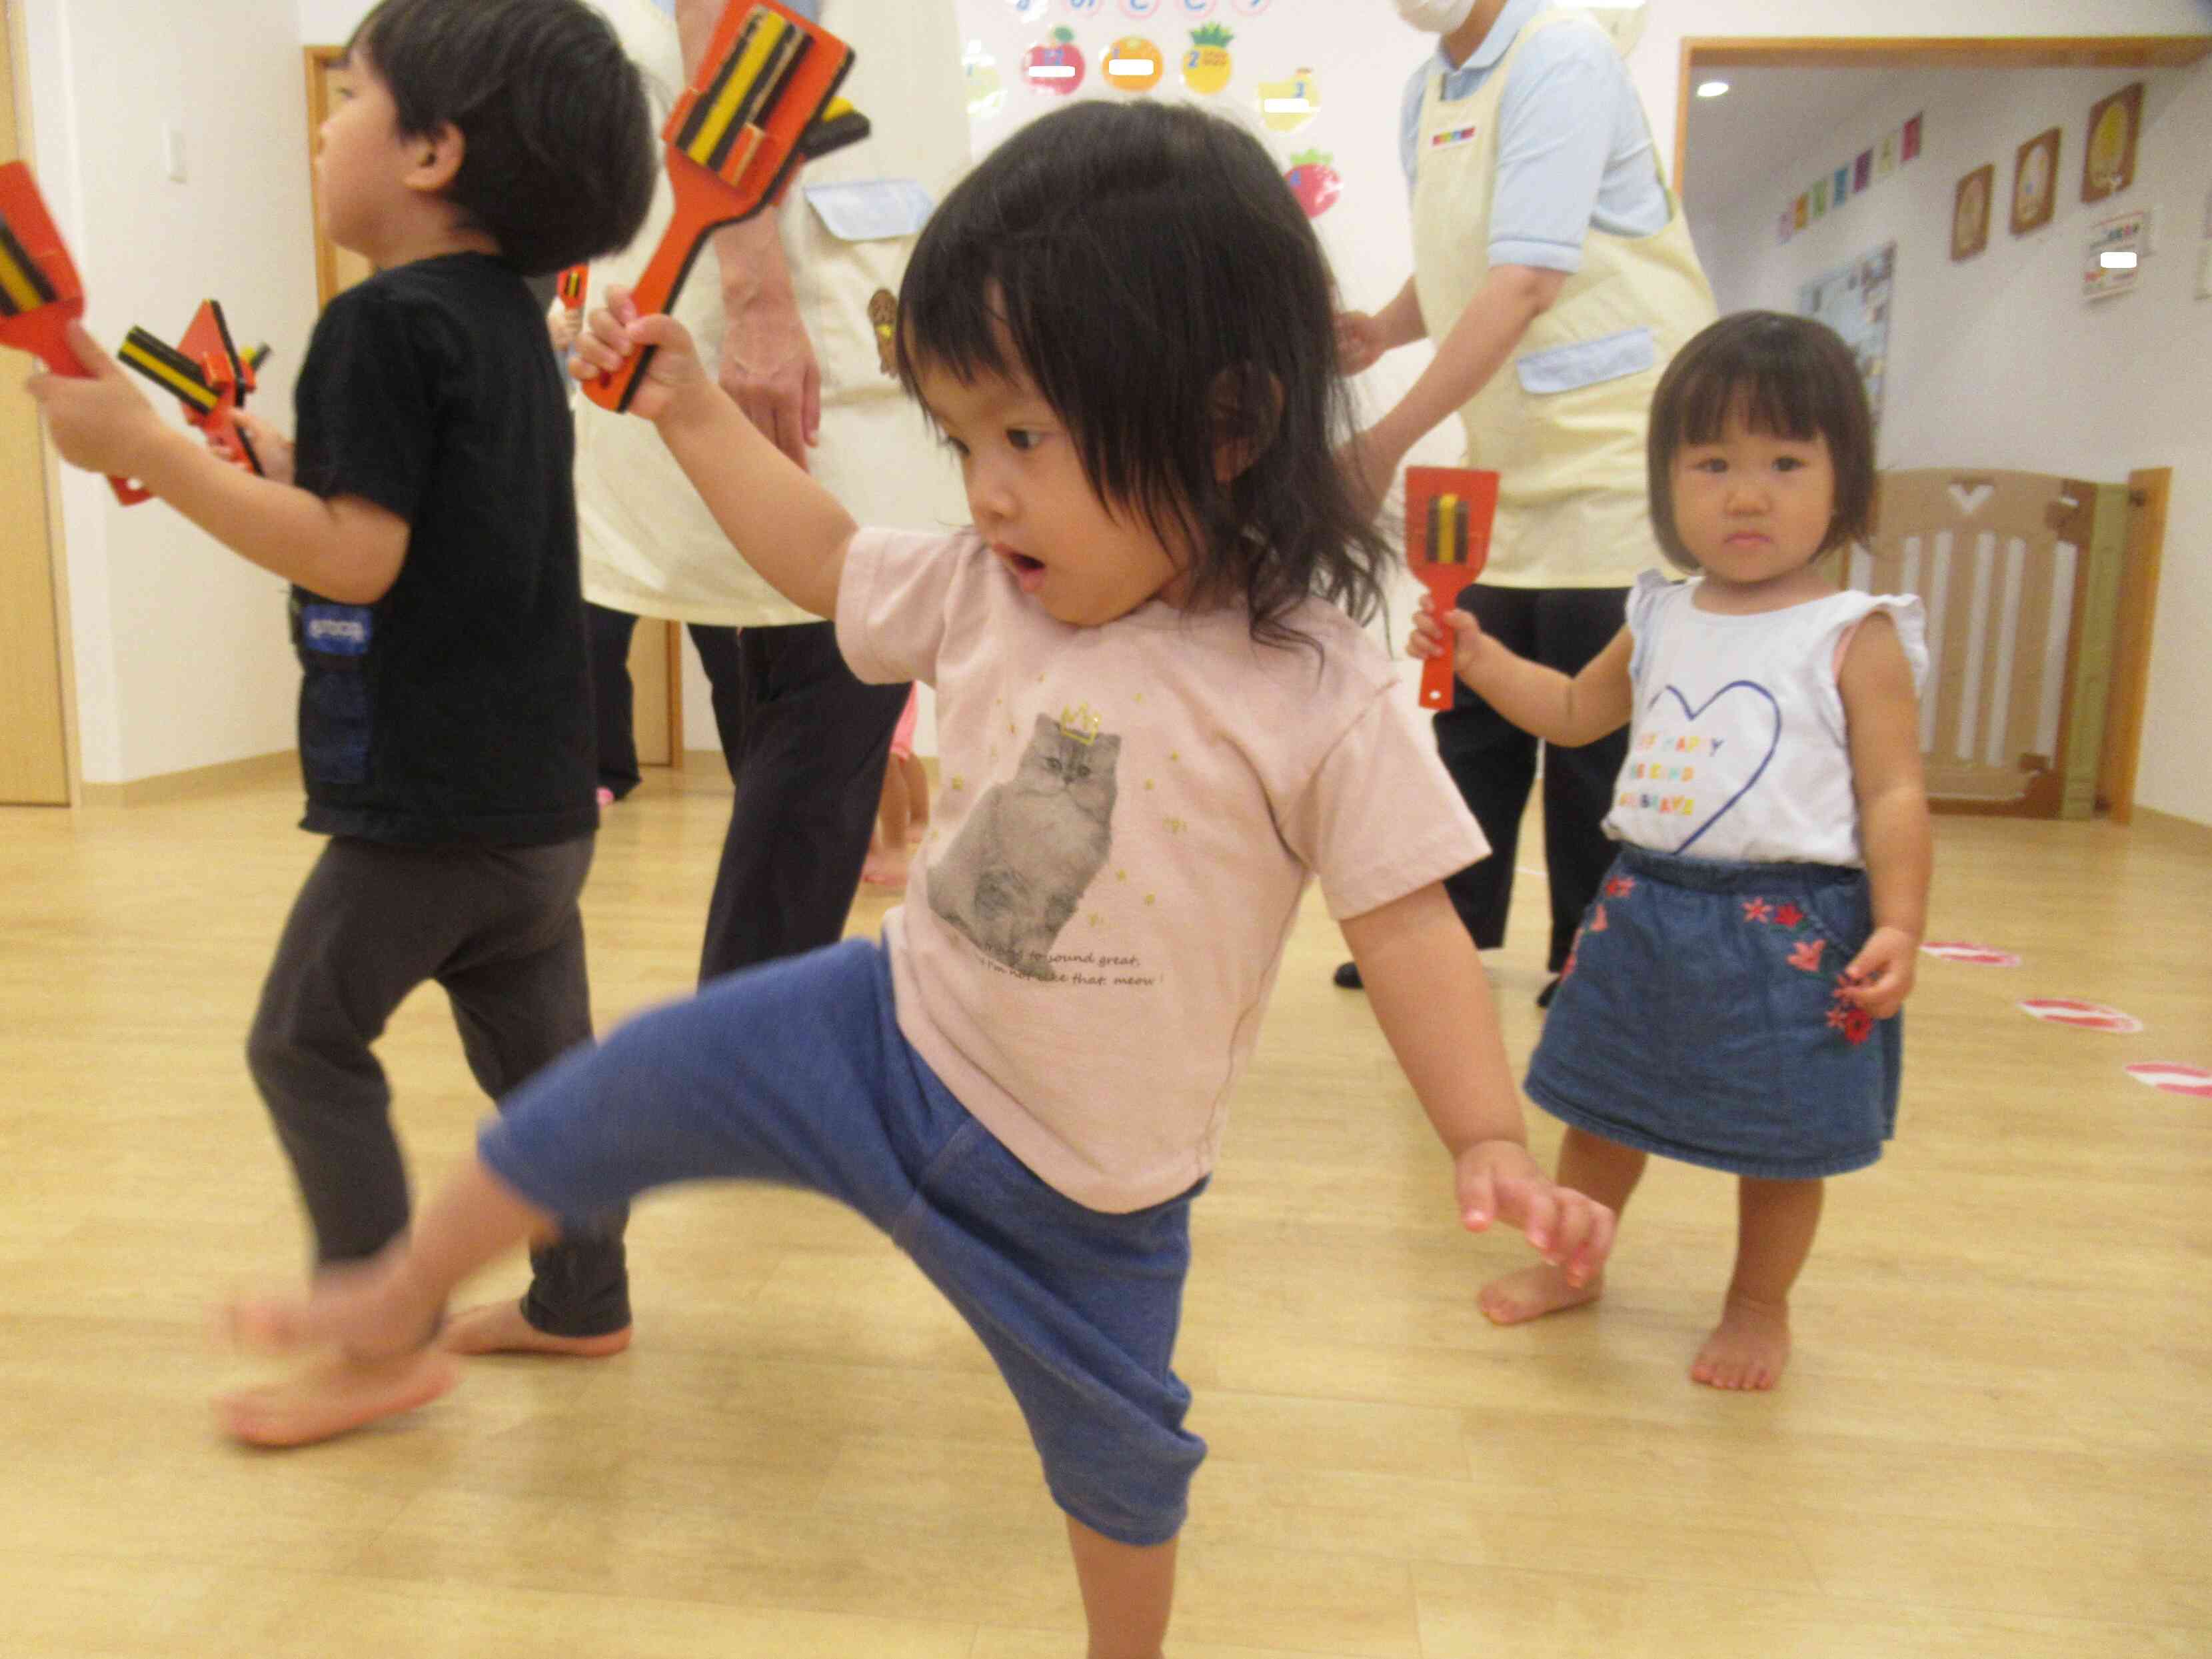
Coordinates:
column 2011, row 380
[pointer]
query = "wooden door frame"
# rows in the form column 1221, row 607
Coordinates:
column 2114, row 772
column 12, row 19
column 1701, row 55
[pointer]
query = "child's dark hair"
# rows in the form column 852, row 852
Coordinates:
column 559, row 158
column 1791, row 377
column 1147, row 268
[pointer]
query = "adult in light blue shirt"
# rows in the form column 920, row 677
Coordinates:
column 1574, row 151
column 1573, row 157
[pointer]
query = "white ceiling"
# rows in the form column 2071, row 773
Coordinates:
column 1770, row 118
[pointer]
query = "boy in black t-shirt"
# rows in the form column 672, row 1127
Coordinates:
column 426, row 521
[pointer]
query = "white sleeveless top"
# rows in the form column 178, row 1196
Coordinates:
column 1737, row 746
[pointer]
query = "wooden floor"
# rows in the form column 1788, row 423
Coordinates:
column 1996, row 1439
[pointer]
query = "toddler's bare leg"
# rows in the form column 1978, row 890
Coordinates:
column 1775, row 1221
column 1128, row 1591
column 1603, row 1169
column 886, row 864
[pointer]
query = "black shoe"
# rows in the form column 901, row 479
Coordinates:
column 1347, row 977
column 1544, row 997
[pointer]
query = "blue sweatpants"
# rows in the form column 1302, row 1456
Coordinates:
column 795, row 1072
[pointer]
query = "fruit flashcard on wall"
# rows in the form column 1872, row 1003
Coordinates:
column 1133, row 64
column 1207, row 65
column 1055, row 65
column 1287, row 105
column 1314, row 181
column 987, row 89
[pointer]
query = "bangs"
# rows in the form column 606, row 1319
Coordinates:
column 1769, row 396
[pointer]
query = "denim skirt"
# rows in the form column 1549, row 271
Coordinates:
column 1700, row 1015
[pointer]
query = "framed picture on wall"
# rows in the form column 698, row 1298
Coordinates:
column 2035, row 183
column 2108, row 157
column 1970, row 212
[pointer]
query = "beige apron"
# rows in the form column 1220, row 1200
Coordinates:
column 650, row 546
column 1563, row 423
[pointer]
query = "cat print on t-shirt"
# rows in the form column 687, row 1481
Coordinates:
column 1017, row 871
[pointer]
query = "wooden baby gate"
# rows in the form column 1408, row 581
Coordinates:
column 2039, row 592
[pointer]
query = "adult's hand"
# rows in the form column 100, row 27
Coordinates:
column 769, row 369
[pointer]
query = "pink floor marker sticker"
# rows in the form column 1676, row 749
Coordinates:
column 2171, row 1077
column 1980, row 956
column 2083, row 1016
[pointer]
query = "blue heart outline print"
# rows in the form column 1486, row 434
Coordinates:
column 1690, row 713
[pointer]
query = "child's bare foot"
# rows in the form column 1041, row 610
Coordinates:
column 1533, row 1292
column 886, row 867
column 336, row 1396
column 500, row 1327
column 1747, row 1349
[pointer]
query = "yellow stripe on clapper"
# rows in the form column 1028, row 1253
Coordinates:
column 23, row 286
column 169, row 368
column 766, row 50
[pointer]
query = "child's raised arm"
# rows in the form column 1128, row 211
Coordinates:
column 344, row 549
column 1426, row 985
column 785, row 525
column 1559, row 709
column 1882, row 714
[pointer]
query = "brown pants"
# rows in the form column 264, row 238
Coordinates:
column 498, row 928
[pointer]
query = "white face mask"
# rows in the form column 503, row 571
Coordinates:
column 1437, row 16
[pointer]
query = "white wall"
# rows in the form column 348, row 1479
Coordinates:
column 1999, row 362
column 180, row 649
column 180, row 654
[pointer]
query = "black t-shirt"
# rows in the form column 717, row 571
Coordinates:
column 458, row 708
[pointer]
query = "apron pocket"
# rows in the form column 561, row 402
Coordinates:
column 1588, row 362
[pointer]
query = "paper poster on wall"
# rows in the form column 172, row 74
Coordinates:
column 1804, row 211
column 2108, row 159
column 1853, row 300
column 1885, row 155
column 1820, row 199
column 2115, row 256
column 1840, row 185
column 1786, row 226
column 1862, row 171
column 1913, row 139
column 1970, row 212
column 1207, row 65
column 2035, row 183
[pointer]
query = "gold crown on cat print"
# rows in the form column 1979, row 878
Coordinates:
column 1081, row 723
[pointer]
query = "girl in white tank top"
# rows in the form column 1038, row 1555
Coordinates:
column 1732, row 998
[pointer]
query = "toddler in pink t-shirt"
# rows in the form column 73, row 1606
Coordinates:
column 1158, row 717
